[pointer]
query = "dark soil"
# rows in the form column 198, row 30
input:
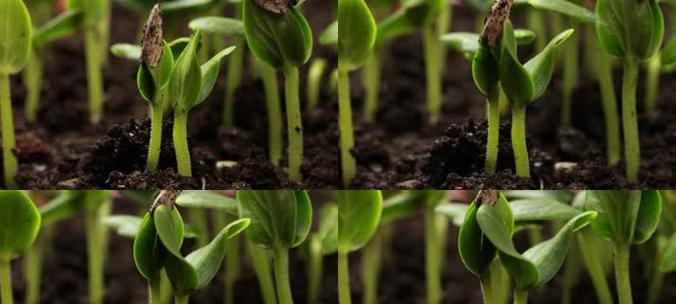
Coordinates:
column 402, row 150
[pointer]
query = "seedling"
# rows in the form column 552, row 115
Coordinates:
column 358, row 217
column 633, row 31
column 322, row 242
column 626, row 217
column 280, row 220
column 314, row 82
column 357, row 36
column 487, row 232
column 190, row 85
column 15, row 34
column 21, row 223
column 282, row 41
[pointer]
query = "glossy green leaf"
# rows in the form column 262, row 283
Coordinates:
column 64, row 25
column 541, row 67
column 169, row 227
column 516, row 81
column 218, row 25
column 455, row 211
column 668, row 258
column 625, row 216
column 358, row 217
column 534, row 209
column 394, row 26
column 210, row 71
column 629, row 28
column 207, row 199
column 328, row 229
column 178, row 45
column 468, row 43
column 124, row 225
column 562, row 196
column 279, row 218
column 149, row 253
column 64, row 205
column 475, row 250
column 485, row 70
column 20, row 223
column 330, row 35
column 186, row 80
column 356, row 33
column 126, row 51
column 15, row 36
column 565, row 7
column 401, row 205
column 277, row 39
column 151, row 81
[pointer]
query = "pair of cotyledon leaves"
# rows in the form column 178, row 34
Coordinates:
column 158, row 244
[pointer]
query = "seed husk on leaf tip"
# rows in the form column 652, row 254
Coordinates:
column 276, row 6
column 165, row 197
column 492, row 32
column 152, row 42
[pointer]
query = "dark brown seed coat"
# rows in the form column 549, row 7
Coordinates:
column 152, row 39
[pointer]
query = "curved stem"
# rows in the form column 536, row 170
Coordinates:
column 344, row 294
column 493, row 141
column 348, row 162
column 432, row 257
column 371, row 74
column 653, row 83
column 33, row 81
column 180, row 136
column 94, row 77
column 629, row 121
column 282, row 282
column 9, row 161
column 294, row 123
column 520, row 296
column 261, row 266
column 622, row 275
column 155, row 144
column 433, row 71
column 519, row 141
column 6, row 275
column 315, row 270
column 269, row 77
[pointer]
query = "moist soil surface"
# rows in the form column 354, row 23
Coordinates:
column 401, row 150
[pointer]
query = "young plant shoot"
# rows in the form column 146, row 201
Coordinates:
column 20, row 226
column 626, row 218
column 357, row 35
column 320, row 243
column 358, row 218
column 189, row 85
column 280, row 36
column 280, row 220
column 15, row 34
column 632, row 31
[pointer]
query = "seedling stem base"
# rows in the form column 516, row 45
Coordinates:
column 269, row 77
column 294, row 123
column 346, row 131
column 624, row 294
column 154, row 147
column 9, row 161
column 433, row 70
column 629, row 121
column 344, row 294
column 180, row 135
column 282, row 276
column 519, row 141
column 492, row 145
column 6, row 274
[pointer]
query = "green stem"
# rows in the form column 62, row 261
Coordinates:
column 604, row 75
column 520, row 296
column 269, row 77
column 656, row 276
column 570, row 76
column 370, row 268
column 233, row 80
column 432, row 257
column 33, row 270
column 95, row 252
column 166, row 290
column 154, row 292
column 155, row 144
column 261, row 265
column 653, row 83
column 535, row 21
column 314, row 83
column 371, row 74
column 629, row 121
column 493, row 141
column 344, row 294
column 94, row 77
column 198, row 218
column 433, row 71
column 9, row 161
column 348, row 162
column 495, row 286
column 6, row 274
column 294, row 123
column 519, row 141
column 622, row 275
column 282, row 282
column 181, row 299
column 594, row 266
column 33, row 81
column 315, row 270
column 232, row 268
column 181, row 143
column 571, row 273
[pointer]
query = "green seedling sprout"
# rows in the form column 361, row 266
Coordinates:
column 15, row 34
column 632, row 31
column 190, row 85
column 358, row 217
column 487, row 232
column 95, row 23
column 21, row 224
column 314, row 82
column 322, row 242
column 233, row 27
column 282, row 40
column 280, row 220
column 357, row 36
column 626, row 218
